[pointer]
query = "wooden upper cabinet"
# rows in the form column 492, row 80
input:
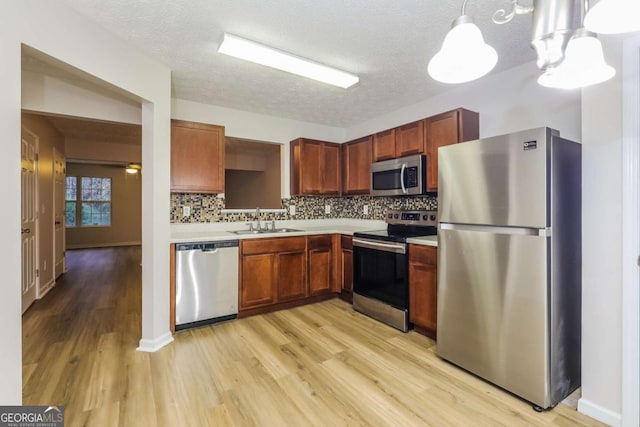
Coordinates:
column 197, row 157
column 356, row 160
column 331, row 169
column 315, row 167
column 446, row 129
column 384, row 145
column 410, row 139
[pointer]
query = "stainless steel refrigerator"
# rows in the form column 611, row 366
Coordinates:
column 509, row 262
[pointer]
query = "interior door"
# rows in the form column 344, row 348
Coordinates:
column 28, row 217
column 59, row 176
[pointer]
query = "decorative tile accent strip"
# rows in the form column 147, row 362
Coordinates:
column 207, row 207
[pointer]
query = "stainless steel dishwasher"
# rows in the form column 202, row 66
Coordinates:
column 206, row 283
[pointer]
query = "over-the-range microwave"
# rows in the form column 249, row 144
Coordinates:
column 406, row 176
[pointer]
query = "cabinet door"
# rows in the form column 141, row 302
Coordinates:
column 311, row 158
column 320, row 264
column 331, row 170
column 384, row 145
column 446, row 129
column 423, row 287
column 292, row 280
column 346, row 264
column 257, row 286
column 356, row 160
column 197, row 157
column 410, row 139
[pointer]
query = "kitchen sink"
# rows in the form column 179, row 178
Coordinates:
column 275, row 231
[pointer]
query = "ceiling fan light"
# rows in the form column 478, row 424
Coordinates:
column 464, row 55
column 613, row 17
column 133, row 168
column 584, row 64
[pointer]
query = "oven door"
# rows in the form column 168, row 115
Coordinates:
column 380, row 271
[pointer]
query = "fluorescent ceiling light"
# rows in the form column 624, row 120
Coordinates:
column 264, row 55
column 464, row 55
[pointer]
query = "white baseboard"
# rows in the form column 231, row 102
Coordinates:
column 156, row 344
column 45, row 289
column 599, row 413
column 103, row 245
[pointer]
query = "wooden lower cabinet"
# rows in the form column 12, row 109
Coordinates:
column 346, row 267
column 320, row 256
column 423, row 288
column 259, row 282
column 285, row 271
column 291, row 275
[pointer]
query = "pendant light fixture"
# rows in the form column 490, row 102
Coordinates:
column 613, row 17
column 464, row 55
column 569, row 54
column 583, row 65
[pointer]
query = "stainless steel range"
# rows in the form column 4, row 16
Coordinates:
column 381, row 265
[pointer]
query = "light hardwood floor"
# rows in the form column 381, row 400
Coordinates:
column 321, row 365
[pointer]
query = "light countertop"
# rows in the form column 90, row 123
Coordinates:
column 192, row 233
column 426, row 240
column 212, row 232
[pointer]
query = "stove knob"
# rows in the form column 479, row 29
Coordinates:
column 395, row 216
column 390, row 215
column 425, row 217
column 433, row 217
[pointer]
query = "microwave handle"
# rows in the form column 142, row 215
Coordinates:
column 404, row 188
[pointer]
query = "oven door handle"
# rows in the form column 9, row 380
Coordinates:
column 379, row 246
column 404, row 187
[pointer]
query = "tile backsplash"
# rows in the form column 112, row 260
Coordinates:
column 208, row 207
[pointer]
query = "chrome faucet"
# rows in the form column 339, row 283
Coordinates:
column 258, row 219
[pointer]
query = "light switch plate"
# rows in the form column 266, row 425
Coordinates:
column 292, row 210
column 365, row 210
column 186, row 211
column 327, row 209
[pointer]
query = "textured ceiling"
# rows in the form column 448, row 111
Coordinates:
column 388, row 43
column 94, row 131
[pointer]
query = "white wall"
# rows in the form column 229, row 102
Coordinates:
column 61, row 33
column 261, row 127
column 53, row 94
column 602, row 244
column 508, row 101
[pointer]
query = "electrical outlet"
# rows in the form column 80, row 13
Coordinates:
column 327, row 209
column 186, row 211
column 365, row 209
column 292, row 210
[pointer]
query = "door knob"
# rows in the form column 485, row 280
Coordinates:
column 26, row 230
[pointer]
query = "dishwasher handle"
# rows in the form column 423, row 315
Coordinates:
column 207, row 246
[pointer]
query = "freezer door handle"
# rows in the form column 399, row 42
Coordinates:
column 520, row 231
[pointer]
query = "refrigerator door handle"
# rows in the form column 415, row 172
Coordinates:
column 521, row 231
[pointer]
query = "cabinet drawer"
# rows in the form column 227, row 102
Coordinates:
column 319, row 242
column 273, row 245
column 423, row 254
